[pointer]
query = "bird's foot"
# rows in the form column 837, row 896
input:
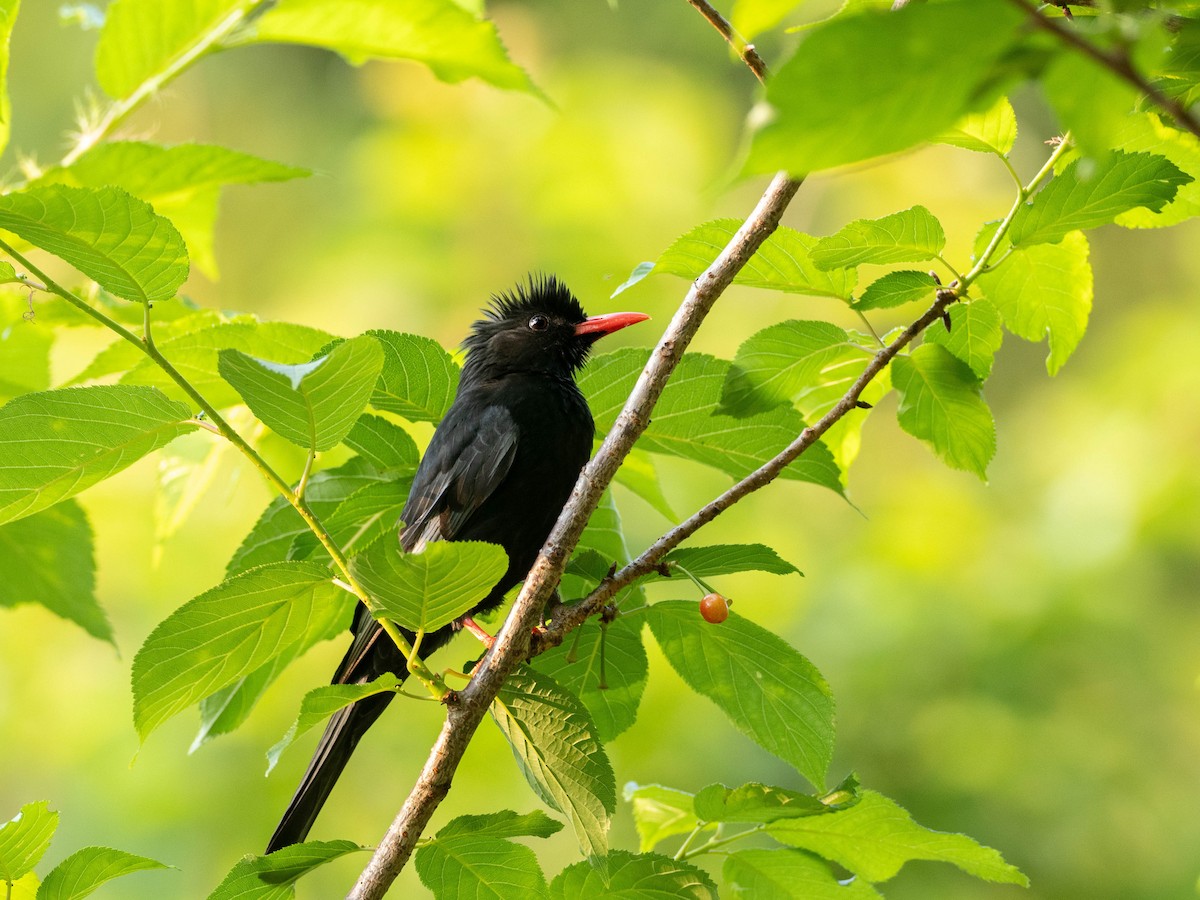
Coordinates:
column 472, row 626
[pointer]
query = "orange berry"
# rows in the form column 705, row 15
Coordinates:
column 714, row 608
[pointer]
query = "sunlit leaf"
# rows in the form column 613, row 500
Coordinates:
column 419, row 378
column 110, row 236
column 25, row 349
column 750, row 17
column 503, row 824
column 774, row 365
column 875, row 838
column 639, row 474
column 382, row 443
column 370, row 513
column 942, row 404
column 659, row 813
column 910, row 235
column 769, row 691
column 896, row 289
column 754, row 803
column 470, row 860
column 559, row 753
column 829, row 109
column 630, row 876
column 25, row 838
column 55, row 444
column 725, row 559
column 424, row 591
column 274, row 876
column 48, row 558
column 228, row 632
column 85, row 870
column 8, row 17
column 975, row 334
column 789, row 875
column 992, row 131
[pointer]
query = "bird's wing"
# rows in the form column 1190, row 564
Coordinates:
column 462, row 473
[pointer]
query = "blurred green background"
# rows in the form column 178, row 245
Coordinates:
column 1016, row 660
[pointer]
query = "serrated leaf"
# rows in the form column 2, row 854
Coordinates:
column 182, row 182
column 8, row 17
column 419, row 378
column 975, row 334
column 141, row 38
column 896, row 289
column 559, row 753
column 941, row 403
column 782, row 263
column 321, row 703
column 195, row 355
column 25, row 838
column 370, row 513
column 470, row 867
column 228, row 632
column 629, row 876
column 606, row 667
column 503, row 824
column 1091, row 193
column 789, row 875
column 773, row 366
column 876, row 837
column 1045, row 291
column 382, row 443
column 725, row 559
column 992, row 131
column 48, row 558
column 85, row 870
column 659, row 813
column 454, row 43
column 54, row 444
column 1147, row 132
column 312, row 404
column 424, row 591
column 767, row 689
column 121, row 355
column 274, row 876
column 110, row 236
column 910, row 235
column 755, row 803
column 685, row 425
column 829, row 109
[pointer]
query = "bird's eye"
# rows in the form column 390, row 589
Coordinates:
column 539, row 323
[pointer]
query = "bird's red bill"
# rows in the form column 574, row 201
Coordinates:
column 610, row 322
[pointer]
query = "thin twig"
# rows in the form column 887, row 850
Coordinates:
column 1117, row 63
column 743, row 49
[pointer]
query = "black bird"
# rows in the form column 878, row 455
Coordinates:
column 499, row 468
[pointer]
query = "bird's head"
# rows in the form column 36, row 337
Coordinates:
column 537, row 327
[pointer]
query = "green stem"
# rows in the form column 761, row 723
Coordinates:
column 682, row 852
column 148, row 347
column 121, row 109
column 867, row 323
column 308, row 464
column 710, row 846
column 699, row 582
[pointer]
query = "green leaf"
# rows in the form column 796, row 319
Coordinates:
column 273, row 535
column 419, row 378
column 503, row 824
column 769, row 691
column 751, row 17
column 559, row 753
column 603, row 544
column 274, row 876
column 25, row 349
column 992, row 131
column 875, row 838
column 8, row 17
column 659, row 813
column 25, row 838
column 789, row 875
column 113, row 238
column 321, row 703
column 910, row 235
column 782, row 263
column 605, row 666
column 424, row 591
column 228, row 632
column 121, row 356
column 370, row 513
column 312, row 404
column 47, row 558
column 1045, row 291
column 1148, row 132
column 449, row 39
column 896, row 289
column 830, row 109
column 1088, row 194
column 382, row 443
column 55, row 444
column 941, row 403
column 639, row 474
column 25, row 887
column 975, row 334
column 83, row 871
column 141, row 38
column 775, row 365
column 195, row 355
column 470, row 867
column 182, row 182
column 725, row 559
column 754, row 803
column 629, row 876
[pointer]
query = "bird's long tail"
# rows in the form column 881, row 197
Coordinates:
column 333, row 752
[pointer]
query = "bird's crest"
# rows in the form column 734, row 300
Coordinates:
column 538, row 293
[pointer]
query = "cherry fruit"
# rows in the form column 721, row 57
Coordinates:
column 714, row 608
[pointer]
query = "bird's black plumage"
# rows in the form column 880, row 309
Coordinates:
column 499, row 468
